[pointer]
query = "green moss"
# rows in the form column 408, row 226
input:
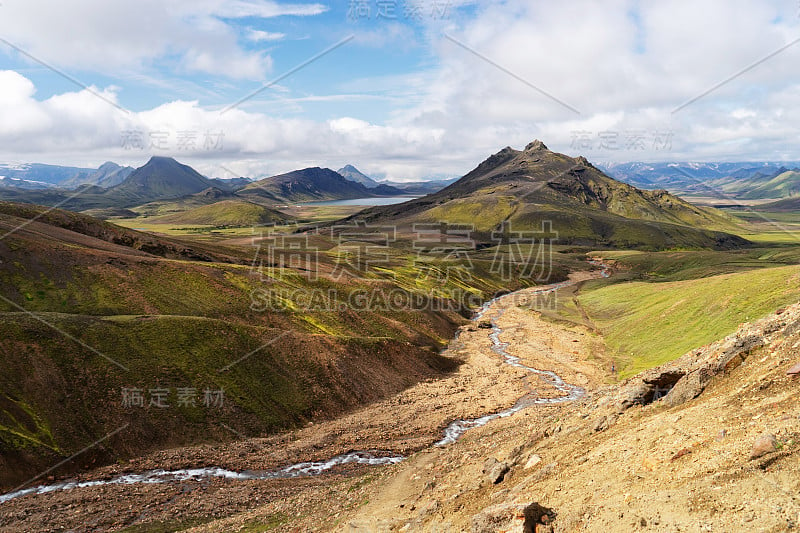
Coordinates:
column 168, row 526
column 268, row 523
column 16, row 430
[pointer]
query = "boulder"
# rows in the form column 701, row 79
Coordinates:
column 514, row 518
column 764, row 444
column 689, row 387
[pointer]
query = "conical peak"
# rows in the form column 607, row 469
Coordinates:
column 535, row 146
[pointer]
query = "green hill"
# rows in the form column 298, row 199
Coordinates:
column 783, row 185
column 229, row 213
column 756, row 185
column 647, row 324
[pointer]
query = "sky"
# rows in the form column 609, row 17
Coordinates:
column 402, row 89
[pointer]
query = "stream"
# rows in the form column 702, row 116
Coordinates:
column 314, row 468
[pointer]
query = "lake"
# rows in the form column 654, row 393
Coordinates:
column 366, row 202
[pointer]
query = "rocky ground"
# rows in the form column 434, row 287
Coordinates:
column 718, row 452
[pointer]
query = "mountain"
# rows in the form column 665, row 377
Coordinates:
column 349, row 172
column 420, row 188
column 23, row 184
column 160, row 179
column 107, row 175
column 307, row 185
column 682, row 176
column 528, row 190
column 46, row 175
column 39, row 176
column 393, row 188
column 722, row 180
column 226, row 213
column 232, row 184
column 782, row 184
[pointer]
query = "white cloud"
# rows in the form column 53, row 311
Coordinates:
column 265, row 9
column 260, row 36
column 79, row 127
column 625, row 65
column 122, row 35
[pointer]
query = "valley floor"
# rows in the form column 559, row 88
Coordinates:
column 602, row 463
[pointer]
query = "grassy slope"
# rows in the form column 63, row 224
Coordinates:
column 646, row 324
column 227, row 213
column 75, row 391
column 781, row 186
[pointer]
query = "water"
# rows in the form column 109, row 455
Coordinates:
column 571, row 392
column 311, row 468
column 452, row 433
column 364, row 202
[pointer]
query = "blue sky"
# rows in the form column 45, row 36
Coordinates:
column 354, row 73
column 424, row 88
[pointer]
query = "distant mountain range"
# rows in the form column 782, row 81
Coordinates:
column 573, row 201
column 743, row 181
column 39, row 176
column 112, row 187
column 108, row 175
column 391, row 188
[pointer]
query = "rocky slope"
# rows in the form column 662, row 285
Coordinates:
column 708, row 442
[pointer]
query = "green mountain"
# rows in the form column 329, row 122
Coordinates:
column 522, row 190
column 161, row 178
column 783, row 184
column 307, row 185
